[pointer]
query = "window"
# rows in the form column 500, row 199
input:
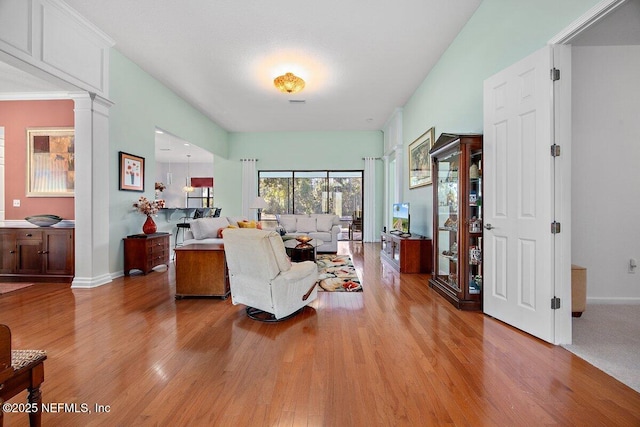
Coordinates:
column 202, row 195
column 338, row 192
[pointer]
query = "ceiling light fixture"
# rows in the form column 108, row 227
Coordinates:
column 289, row 83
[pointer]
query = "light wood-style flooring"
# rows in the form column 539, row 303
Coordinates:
column 396, row 354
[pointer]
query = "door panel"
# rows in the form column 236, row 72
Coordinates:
column 519, row 194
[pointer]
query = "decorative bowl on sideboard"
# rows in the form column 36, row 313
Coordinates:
column 45, row 220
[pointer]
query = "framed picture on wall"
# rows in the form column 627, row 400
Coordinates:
column 131, row 172
column 420, row 161
column 50, row 162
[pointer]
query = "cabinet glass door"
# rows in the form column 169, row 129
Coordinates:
column 475, row 223
column 447, row 211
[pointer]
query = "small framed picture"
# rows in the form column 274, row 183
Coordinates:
column 131, row 172
column 419, row 160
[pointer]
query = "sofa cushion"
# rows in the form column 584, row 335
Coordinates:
column 326, row 221
column 204, row 228
column 321, row 235
column 288, row 222
column 306, row 225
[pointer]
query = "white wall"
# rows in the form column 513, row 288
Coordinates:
column 606, row 169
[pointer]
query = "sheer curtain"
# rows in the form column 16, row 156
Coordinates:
column 369, row 224
column 249, row 185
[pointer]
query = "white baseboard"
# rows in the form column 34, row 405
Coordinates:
column 613, row 300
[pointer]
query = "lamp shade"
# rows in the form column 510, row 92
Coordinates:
column 258, row 203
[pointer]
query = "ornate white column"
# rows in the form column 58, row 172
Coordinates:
column 91, row 191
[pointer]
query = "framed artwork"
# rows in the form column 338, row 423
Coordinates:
column 50, row 162
column 420, row 161
column 131, row 172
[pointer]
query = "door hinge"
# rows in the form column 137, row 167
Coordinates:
column 555, row 150
column 555, row 227
column 555, row 74
column 555, row 303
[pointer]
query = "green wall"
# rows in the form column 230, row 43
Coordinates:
column 140, row 104
column 500, row 33
column 298, row 151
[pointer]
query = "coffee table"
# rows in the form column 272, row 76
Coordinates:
column 299, row 252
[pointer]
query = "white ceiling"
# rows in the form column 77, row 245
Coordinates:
column 360, row 58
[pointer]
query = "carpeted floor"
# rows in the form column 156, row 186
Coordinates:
column 10, row 287
column 608, row 337
column 337, row 274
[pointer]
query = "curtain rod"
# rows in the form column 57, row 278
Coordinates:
column 374, row 158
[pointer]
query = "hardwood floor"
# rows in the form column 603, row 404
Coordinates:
column 395, row 354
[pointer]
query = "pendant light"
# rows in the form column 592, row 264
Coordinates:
column 188, row 188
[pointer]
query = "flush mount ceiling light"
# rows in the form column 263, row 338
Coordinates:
column 289, row 83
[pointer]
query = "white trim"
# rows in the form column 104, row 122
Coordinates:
column 589, row 18
column 34, row 96
column 90, row 282
column 65, row 8
column 597, row 300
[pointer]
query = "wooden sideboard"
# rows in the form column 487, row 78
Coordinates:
column 407, row 254
column 201, row 271
column 146, row 251
column 38, row 254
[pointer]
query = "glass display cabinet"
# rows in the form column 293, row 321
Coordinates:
column 457, row 219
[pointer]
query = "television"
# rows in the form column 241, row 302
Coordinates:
column 400, row 221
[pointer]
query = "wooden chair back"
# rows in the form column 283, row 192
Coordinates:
column 6, row 371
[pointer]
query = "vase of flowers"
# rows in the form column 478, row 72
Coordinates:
column 147, row 207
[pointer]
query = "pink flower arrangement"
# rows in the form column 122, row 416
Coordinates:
column 144, row 206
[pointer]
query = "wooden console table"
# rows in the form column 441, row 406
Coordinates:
column 146, row 251
column 407, row 254
column 201, row 271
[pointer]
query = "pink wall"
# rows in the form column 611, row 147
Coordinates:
column 16, row 117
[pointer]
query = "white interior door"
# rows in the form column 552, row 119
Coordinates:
column 518, row 195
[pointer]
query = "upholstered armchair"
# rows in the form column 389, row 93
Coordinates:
column 262, row 276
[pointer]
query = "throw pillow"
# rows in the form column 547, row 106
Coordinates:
column 250, row 224
column 288, row 222
column 306, row 225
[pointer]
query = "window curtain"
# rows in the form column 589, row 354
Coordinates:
column 369, row 220
column 249, row 185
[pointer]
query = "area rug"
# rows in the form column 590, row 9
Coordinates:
column 10, row 287
column 336, row 273
column 607, row 337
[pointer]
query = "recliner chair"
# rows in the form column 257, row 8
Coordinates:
column 262, row 276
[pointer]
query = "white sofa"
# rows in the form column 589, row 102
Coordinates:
column 325, row 227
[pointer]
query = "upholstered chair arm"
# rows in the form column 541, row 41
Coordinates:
column 289, row 287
